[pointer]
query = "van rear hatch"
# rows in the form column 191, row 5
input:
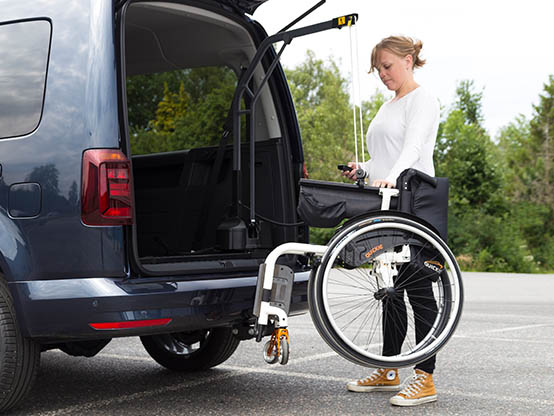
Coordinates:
column 245, row 6
column 181, row 66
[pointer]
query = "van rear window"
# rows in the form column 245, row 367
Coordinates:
column 24, row 50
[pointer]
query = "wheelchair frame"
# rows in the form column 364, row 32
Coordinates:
column 267, row 314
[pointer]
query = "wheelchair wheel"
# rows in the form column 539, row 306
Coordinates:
column 387, row 293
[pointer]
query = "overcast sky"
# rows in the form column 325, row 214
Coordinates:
column 506, row 47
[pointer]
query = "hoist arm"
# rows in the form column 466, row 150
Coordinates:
column 252, row 92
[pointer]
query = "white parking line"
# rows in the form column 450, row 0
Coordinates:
column 283, row 373
column 482, row 335
column 85, row 407
column 496, row 398
column 312, row 357
column 517, row 328
column 235, row 371
column 516, row 340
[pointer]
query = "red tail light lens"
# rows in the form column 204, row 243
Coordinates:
column 106, row 194
column 131, row 324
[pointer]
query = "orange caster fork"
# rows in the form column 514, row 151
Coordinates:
column 277, row 348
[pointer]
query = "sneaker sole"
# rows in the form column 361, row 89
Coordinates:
column 368, row 389
column 412, row 402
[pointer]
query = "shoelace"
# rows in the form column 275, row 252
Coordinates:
column 414, row 385
column 374, row 376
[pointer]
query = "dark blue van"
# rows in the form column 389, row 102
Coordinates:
column 114, row 223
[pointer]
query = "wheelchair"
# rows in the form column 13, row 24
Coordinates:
column 386, row 291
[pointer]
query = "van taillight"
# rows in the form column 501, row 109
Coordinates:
column 106, row 197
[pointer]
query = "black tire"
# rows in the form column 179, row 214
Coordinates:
column 19, row 356
column 349, row 304
column 285, row 351
column 192, row 351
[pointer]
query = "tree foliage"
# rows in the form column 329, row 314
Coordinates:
column 326, row 119
column 499, row 219
column 325, row 115
column 179, row 110
column 322, row 103
column 501, row 207
column 527, row 152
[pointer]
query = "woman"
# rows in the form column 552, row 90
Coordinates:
column 402, row 135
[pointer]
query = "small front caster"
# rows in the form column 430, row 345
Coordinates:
column 277, row 348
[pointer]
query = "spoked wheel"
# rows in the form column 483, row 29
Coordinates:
column 388, row 292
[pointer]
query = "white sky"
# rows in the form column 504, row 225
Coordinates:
column 506, row 47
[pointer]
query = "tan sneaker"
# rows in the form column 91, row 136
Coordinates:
column 382, row 379
column 420, row 389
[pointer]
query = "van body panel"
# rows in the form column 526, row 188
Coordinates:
column 79, row 111
column 193, row 304
column 167, row 255
column 64, row 275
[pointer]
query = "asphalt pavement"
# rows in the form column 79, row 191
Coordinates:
column 499, row 362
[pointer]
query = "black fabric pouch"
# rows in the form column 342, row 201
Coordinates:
column 320, row 211
column 425, row 197
column 325, row 204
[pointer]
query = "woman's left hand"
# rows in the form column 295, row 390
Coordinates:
column 381, row 183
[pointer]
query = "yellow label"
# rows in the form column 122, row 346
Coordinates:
column 342, row 20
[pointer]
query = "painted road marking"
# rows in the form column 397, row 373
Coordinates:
column 235, row 371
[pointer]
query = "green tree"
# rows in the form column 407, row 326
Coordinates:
column 320, row 94
column 467, row 156
column 526, row 148
column 518, row 159
column 542, row 145
column 144, row 92
column 481, row 230
column 189, row 112
column 325, row 116
column 542, row 138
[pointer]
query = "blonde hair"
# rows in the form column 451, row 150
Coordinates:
column 401, row 46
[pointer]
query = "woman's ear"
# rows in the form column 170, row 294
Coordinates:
column 409, row 59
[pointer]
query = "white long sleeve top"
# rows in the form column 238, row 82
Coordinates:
column 402, row 135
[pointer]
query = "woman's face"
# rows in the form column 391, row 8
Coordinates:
column 394, row 71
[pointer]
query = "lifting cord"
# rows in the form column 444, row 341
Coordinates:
column 355, row 85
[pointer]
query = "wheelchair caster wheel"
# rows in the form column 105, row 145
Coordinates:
column 270, row 352
column 285, row 350
column 277, row 348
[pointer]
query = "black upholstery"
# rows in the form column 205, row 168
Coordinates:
column 326, row 204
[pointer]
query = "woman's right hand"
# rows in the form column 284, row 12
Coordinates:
column 352, row 173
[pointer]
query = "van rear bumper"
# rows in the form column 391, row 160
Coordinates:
column 64, row 309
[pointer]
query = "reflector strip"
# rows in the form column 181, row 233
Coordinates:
column 131, row 324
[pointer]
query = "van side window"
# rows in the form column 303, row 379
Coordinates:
column 24, row 50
